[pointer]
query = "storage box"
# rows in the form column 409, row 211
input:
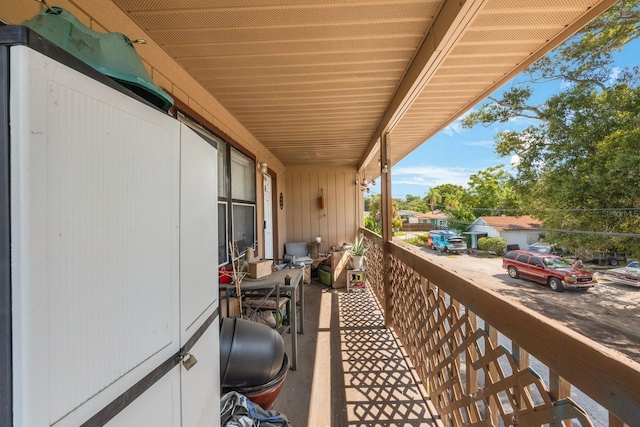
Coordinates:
column 325, row 277
column 259, row 269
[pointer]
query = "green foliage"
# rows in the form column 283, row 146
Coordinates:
column 444, row 196
column 374, row 222
column 396, row 223
column 367, row 201
column 359, row 246
column 493, row 189
column 492, row 244
column 412, row 203
column 579, row 161
column 418, row 240
column 371, row 224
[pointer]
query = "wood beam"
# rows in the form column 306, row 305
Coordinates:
column 387, row 233
column 448, row 27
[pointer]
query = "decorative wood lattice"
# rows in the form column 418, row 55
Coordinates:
column 470, row 378
column 373, row 265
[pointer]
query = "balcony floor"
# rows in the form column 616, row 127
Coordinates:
column 351, row 370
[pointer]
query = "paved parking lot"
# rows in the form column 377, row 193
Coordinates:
column 608, row 313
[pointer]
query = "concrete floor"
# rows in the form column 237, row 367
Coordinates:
column 351, row 370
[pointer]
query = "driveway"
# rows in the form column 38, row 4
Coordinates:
column 608, row 313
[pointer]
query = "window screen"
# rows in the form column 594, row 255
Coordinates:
column 244, row 219
column 243, row 177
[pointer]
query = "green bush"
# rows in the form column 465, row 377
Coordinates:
column 373, row 225
column 492, row 244
column 419, row 240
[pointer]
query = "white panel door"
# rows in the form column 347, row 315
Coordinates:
column 268, row 217
column 199, row 278
column 198, row 232
column 95, row 243
column 201, row 384
column 159, row 406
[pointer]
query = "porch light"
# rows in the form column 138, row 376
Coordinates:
column 263, row 168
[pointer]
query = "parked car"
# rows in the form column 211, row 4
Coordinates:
column 629, row 275
column 545, row 248
column 547, row 268
column 446, row 241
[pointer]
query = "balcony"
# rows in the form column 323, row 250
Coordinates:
column 325, row 94
column 453, row 354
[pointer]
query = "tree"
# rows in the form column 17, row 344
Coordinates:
column 491, row 193
column 444, row 196
column 449, row 199
column 413, row 203
column 578, row 162
column 375, row 204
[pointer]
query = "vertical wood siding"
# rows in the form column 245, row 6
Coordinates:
column 336, row 224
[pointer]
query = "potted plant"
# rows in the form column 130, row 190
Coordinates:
column 357, row 251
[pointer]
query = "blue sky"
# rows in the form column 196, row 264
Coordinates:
column 454, row 154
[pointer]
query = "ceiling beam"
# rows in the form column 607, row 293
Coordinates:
column 450, row 24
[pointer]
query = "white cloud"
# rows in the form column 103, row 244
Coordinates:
column 615, row 73
column 455, row 126
column 482, row 143
column 515, row 160
column 430, row 176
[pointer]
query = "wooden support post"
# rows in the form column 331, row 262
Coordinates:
column 491, row 374
column 522, row 359
column 615, row 421
column 387, row 233
column 559, row 388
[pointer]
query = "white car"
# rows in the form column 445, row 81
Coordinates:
column 629, row 275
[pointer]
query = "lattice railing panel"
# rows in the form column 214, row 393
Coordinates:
column 412, row 304
column 446, row 350
column 374, row 265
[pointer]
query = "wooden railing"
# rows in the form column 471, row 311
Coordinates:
column 450, row 328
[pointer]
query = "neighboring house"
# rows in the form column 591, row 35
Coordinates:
column 438, row 219
column 408, row 216
column 520, row 230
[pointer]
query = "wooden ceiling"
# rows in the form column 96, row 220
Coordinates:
column 318, row 81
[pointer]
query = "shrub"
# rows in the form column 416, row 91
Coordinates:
column 492, row 244
column 373, row 225
column 418, row 240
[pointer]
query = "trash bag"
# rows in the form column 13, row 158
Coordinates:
column 238, row 411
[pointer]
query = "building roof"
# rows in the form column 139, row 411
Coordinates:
column 510, row 223
column 407, row 212
column 433, row 215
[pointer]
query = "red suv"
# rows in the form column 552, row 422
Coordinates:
column 546, row 268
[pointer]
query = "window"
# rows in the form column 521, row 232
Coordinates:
column 244, row 220
column 243, row 177
column 522, row 258
column 535, row 262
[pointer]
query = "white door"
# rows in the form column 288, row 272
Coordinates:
column 199, row 278
column 268, row 218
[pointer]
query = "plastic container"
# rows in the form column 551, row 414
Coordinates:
column 265, row 394
column 325, row 277
column 251, row 354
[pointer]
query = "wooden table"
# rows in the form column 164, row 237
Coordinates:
column 294, row 289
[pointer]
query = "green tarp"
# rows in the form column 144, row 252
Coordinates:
column 111, row 54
